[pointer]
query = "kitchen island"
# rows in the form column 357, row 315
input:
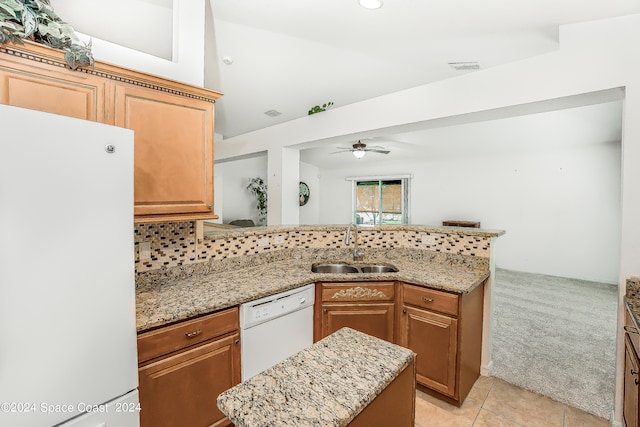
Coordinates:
column 346, row 378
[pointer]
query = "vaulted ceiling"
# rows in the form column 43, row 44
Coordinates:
column 289, row 55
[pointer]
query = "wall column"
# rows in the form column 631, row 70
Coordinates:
column 283, row 177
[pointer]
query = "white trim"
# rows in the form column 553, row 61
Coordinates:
column 379, row 177
column 485, row 370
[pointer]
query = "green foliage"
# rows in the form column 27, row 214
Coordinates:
column 317, row 108
column 35, row 20
column 258, row 187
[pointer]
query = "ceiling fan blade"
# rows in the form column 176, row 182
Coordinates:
column 346, row 150
column 374, row 147
column 378, row 151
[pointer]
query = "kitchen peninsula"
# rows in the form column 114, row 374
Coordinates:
column 437, row 294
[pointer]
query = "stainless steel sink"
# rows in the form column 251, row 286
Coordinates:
column 341, row 268
column 378, row 269
column 334, row 268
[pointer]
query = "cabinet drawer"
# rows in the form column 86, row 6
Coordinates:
column 172, row 338
column 431, row 299
column 369, row 291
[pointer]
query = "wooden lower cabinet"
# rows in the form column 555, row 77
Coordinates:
column 394, row 406
column 180, row 388
column 445, row 331
column 374, row 319
column 367, row 307
column 630, row 411
column 631, row 405
column 434, row 337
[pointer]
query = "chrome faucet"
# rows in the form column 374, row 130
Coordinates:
column 357, row 253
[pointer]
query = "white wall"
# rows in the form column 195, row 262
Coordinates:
column 559, row 207
column 310, row 213
column 133, row 18
column 237, row 201
column 186, row 63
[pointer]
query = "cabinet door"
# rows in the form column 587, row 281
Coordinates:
column 373, row 319
column 173, row 150
column 433, row 337
column 630, row 410
column 181, row 390
column 69, row 94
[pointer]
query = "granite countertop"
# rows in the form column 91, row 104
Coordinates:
column 327, row 384
column 181, row 298
column 632, row 298
column 245, row 231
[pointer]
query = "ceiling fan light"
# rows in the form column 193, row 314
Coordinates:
column 358, row 154
column 371, row 4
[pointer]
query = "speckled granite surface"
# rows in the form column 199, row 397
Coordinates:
column 632, row 298
column 171, row 295
column 233, row 232
column 327, row 384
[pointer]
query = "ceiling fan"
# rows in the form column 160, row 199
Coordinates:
column 359, row 150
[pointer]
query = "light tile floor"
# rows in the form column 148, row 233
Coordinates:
column 496, row 403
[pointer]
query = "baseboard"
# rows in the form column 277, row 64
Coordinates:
column 485, row 370
column 614, row 422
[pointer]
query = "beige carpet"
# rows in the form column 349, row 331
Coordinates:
column 556, row 336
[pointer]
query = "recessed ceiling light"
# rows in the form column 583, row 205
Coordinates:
column 371, row 4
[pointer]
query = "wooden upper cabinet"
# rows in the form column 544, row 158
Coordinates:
column 173, row 123
column 51, row 89
column 173, row 150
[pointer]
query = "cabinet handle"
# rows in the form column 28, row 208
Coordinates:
column 324, row 310
column 425, row 299
column 404, row 311
column 630, row 329
column 237, row 341
column 193, row 334
column 634, row 373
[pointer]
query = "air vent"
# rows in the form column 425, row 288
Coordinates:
column 464, row 66
column 272, row 113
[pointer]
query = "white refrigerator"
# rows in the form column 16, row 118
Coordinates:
column 67, row 287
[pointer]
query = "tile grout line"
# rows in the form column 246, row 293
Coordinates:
column 493, row 381
column 495, row 413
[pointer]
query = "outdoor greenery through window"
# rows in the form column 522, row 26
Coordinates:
column 381, row 201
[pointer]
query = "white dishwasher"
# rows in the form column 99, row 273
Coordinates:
column 274, row 328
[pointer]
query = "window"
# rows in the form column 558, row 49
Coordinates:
column 381, row 201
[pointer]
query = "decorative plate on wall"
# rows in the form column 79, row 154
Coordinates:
column 304, row 193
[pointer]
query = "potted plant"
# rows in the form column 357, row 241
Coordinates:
column 258, row 187
column 35, row 20
column 320, row 109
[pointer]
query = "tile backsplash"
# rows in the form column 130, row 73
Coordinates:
column 176, row 244
column 172, row 244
